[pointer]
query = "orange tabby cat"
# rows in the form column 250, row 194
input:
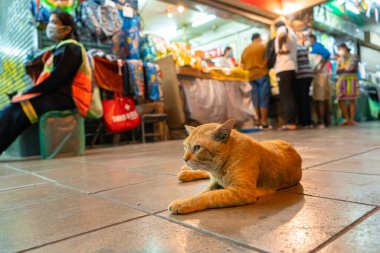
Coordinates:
column 241, row 169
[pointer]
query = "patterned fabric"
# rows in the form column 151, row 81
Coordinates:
column 99, row 21
column 152, row 90
column 126, row 43
column 304, row 69
column 136, row 77
column 347, row 87
column 147, row 50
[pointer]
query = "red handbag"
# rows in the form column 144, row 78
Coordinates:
column 120, row 114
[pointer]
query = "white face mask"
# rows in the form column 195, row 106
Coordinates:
column 52, row 32
column 341, row 53
column 307, row 43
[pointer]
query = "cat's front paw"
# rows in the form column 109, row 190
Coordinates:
column 181, row 206
column 186, row 175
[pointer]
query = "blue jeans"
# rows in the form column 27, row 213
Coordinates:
column 261, row 90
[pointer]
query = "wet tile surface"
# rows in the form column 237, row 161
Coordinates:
column 157, row 196
column 282, row 222
column 115, row 200
column 361, row 238
column 19, row 181
column 343, row 186
column 148, row 234
column 33, row 195
column 6, row 171
column 32, row 226
column 354, row 165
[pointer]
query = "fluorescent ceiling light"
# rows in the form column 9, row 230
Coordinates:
column 203, row 20
column 180, row 8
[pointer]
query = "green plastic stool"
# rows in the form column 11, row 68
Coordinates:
column 61, row 132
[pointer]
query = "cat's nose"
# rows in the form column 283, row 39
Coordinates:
column 185, row 159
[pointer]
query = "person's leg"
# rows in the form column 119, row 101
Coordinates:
column 343, row 107
column 306, row 99
column 352, row 112
column 321, row 110
column 13, row 122
column 255, row 100
column 265, row 91
column 286, row 84
column 300, row 101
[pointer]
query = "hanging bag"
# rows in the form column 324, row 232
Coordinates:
column 152, row 90
column 120, row 114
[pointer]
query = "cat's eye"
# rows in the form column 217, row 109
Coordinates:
column 196, row 148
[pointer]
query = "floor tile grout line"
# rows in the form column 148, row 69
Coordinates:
column 123, row 186
column 129, row 206
column 212, row 234
column 50, row 180
column 340, row 200
column 346, row 229
column 21, row 187
column 62, row 196
column 83, row 233
column 343, row 158
column 348, row 172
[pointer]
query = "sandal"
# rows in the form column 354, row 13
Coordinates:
column 288, row 127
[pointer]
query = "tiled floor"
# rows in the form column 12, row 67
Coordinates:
column 115, row 200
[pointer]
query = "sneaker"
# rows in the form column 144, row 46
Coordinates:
column 266, row 127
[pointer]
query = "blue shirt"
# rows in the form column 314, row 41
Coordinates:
column 318, row 48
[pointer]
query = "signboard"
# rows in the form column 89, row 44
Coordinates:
column 324, row 16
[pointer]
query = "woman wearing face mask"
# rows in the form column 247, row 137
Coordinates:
column 347, row 86
column 227, row 60
column 65, row 82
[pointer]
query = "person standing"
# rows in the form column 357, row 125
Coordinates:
column 304, row 77
column 253, row 59
column 285, row 67
column 321, row 86
column 347, row 86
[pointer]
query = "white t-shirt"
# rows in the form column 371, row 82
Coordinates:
column 286, row 62
column 225, row 63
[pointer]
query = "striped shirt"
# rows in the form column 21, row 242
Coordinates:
column 304, row 69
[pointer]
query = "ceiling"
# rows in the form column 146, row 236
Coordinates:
column 178, row 27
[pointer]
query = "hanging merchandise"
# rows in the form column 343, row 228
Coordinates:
column 120, row 114
column 41, row 9
column 108, row 75
column 99, row 20
column 96, row 109
column 152, row 90
column 147, row 50
column 162, row 47
column 131, row 3
column 136, row 77
column 128, row 39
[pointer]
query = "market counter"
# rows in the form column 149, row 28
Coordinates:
column 210, row 100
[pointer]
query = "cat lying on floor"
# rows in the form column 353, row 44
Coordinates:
column 241, row 169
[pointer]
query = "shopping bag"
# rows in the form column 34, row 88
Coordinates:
column 96, row 108
column 120, row 114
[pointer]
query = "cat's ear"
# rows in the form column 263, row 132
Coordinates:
column 222, row 133
column 189, row 129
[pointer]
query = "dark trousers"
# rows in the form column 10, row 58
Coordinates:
column 303, row 101
column 287, row 84
column 13, row 120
